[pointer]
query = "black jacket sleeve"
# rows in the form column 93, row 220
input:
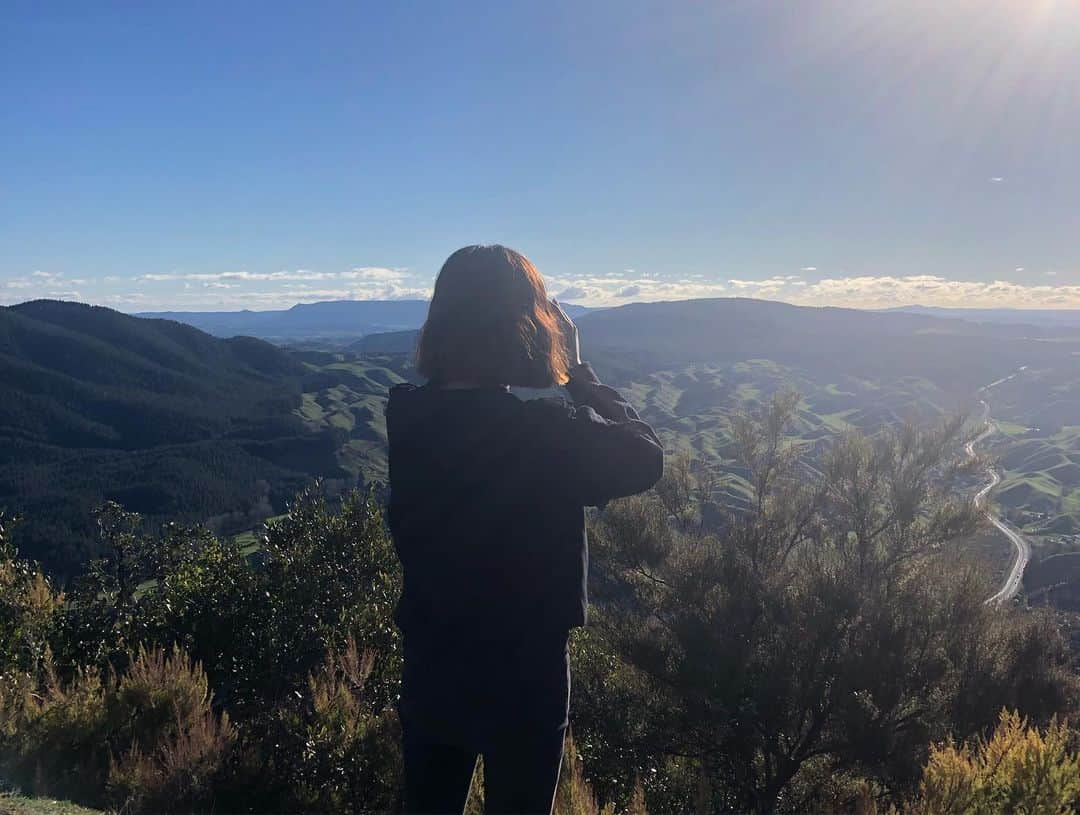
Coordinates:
column 609, row 451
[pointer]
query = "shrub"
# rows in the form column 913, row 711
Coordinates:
column 146, row 740
column 28, row 607
column 56, row 736
column 102, row 625
column 1018, row 769
column 575, row 795
column 347, row 753
column 262, row 627
column 171, row 747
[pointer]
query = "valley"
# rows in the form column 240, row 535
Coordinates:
column 179, row 425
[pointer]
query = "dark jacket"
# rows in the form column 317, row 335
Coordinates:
column 487, row 497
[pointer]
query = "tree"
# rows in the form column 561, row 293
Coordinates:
column 826, row 627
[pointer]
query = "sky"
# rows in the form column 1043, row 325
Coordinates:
column 224, row 155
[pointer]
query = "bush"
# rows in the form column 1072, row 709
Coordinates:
column 56, row 736
column 147, row 741
column 173, row 747
column 28, row 607
column 575, row 795
column 348, row 755
column 279, row 633
column 1018, row 769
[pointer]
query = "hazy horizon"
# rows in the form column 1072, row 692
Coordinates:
column 426, row 297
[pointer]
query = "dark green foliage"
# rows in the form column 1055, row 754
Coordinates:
column 344, row 755
column 170, row 422
column 325, row 577
column 296, row 640
column 824, row 630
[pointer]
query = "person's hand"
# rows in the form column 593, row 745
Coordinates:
column 569, row 332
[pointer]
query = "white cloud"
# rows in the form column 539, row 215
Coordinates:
column 38, row 285
column 374, row 273
column 577, row 293
column 770, row 287
column 876, row 292
column 221, row 290
column 281, row 289
column 608, row 289
column 854, row 291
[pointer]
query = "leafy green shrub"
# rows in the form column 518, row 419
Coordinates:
column 326, row 577
column 348, row 755
column 322, row 585
column 102, row 624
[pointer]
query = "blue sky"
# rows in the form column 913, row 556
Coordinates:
column 225, row 155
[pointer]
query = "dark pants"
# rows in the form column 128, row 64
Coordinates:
column 519, row 777
column 505, row 700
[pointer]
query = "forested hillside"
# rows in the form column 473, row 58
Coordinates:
column 153, row 414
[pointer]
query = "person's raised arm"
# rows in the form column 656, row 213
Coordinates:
column 611, row 451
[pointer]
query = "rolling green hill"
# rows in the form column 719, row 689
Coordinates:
column 1039, row 451
column 157, row 415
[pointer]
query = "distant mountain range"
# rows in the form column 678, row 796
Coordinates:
column 960, row 354
column 307, row 320
column 330, row 319
column 1046, row 317
column 345, row 320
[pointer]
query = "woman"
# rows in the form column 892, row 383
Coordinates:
column 487, row 498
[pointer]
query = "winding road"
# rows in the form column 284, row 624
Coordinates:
column 1014, row 579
